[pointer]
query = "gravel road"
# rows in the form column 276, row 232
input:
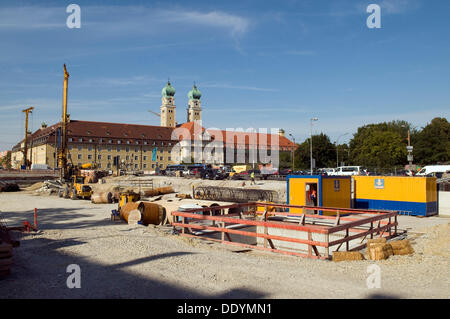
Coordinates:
column 122, row 261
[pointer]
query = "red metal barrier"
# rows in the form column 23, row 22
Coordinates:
column 329, row 231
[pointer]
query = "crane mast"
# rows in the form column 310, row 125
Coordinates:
column 63, row 149
column 25, row 150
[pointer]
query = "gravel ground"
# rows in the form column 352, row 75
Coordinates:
column 122, row 261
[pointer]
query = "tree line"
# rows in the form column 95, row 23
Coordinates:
column 381, row 146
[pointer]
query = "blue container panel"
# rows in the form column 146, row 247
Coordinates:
column 409, row 208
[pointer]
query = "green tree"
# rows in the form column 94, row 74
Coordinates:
column 324, row 152
column 432, row 143
column 380, row 145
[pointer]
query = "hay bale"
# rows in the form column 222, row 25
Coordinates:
column 347, row 256
column 381, row 240
column 400, row 244
column 404, row 251
column 402, row 247
column 380, row 251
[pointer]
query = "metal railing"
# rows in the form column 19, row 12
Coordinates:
column 260, row 226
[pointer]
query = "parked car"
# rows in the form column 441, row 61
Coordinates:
column 350, row 170
column 430, row 169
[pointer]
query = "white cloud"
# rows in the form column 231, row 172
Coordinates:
column 399, row 6
column 238, row 87
column 236, row 25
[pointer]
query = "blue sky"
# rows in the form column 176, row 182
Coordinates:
column 258, row 64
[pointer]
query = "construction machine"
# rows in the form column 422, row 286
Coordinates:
column 76, row 188
column 74, row 185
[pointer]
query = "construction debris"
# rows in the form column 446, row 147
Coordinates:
column 238, row 195
column 9, row 187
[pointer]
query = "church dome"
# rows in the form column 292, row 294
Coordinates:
column 168, row 90
column 194, row 94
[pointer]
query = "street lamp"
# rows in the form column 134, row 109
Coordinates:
column 293, row 153
column 310, row 149
column 337, row 149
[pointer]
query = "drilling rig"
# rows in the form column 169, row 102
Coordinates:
column 74, row 183
column 25, row 148
column 62, row 156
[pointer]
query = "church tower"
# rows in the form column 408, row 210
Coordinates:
column 194, row 111
column 168, row 106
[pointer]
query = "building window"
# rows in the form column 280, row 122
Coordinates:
column 109, row 165
column 145, row 143
column 145, row 158
column 137, row 142
column 128, row 142
column 70, row 139
column 100, row 140
column 79, row 147
column 135, row 165
column 91, row 140
column 80, row 140
column 127, row 157
column 109, row 149
column 168, row 158
column 145, row 165
column 109, row 141
column 135, row 158
column 99, row 157
column 99, row 165
column 70, row 147
column 119, row 142
column 90, row 148
column 118, row 149
column 89, row 156
column 109, row 157
column 161, row 158
column 79, row 156
column 127, row 149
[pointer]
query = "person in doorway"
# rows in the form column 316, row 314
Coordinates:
column 314, row 196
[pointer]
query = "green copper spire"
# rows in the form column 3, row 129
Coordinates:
column 168, row 90
column 194, row 94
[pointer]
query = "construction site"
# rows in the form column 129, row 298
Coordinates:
column 160, row 236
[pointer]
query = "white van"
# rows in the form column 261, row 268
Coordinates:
column 432, row 169
column 349, row 171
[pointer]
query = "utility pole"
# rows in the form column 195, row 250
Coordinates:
column 25, row 151
column 337, row 149
column 310, row 144
column 63, row 149
column 293, row 153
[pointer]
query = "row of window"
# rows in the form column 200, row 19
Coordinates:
column 127, row 158
column 136, row 166
column 71, row 139
column 89, row 148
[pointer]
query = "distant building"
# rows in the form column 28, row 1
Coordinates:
column 99, row 142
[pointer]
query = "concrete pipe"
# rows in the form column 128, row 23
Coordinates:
column 152, row 213
column 126, row 209
column 102, row 198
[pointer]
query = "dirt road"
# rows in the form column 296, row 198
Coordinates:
column 122, row 261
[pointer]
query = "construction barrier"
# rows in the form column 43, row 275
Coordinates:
column 309, row 235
